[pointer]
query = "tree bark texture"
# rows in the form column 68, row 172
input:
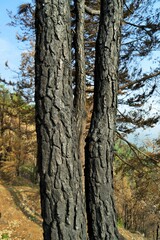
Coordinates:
column 80, row 77
column 60, row 171
column 99, row 143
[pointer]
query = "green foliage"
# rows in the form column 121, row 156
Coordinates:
column 28, row 172
column 5, row 236
column 120, row 223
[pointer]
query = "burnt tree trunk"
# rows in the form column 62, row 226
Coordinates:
column 157, row 231
column 60, row 171
column 99, row 143
column 80, row 77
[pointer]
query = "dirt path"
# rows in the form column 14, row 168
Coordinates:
column 13, row 223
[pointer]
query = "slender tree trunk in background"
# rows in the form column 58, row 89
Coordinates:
column 157, row 232
column 99, row 143
column 80, row 91
column 62, row 201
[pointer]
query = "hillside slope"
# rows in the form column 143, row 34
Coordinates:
column 130, row 236
column 14, row 225
column 18, row 207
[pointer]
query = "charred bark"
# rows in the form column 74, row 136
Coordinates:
column 60, row 171
column 80, row 86
column 99, row 143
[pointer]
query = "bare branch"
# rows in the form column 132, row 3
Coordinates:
column 89, row 89
column 122, row 160
column 91, row 11
column 136, row 151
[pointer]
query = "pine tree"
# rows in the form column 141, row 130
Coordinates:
column 99, row 143
column 62, row 197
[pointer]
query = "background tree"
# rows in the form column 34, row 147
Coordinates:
column 18, row 139
column 25, row 20
column 80, row 76
column 136, row 188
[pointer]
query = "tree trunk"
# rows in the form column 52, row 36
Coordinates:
column 157, row 232
column 80, row 77
column 60, row 171
column 99, row 143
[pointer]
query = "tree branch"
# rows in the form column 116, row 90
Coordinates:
column 122, row 160
column 91, row 11
column 136, row 150
column 143, row 79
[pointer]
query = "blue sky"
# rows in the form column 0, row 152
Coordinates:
column 10, row 49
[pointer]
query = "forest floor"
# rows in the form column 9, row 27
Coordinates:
column 20, row 214
column 130, row 236
column 18, row 218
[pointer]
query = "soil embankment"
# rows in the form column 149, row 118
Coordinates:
column 14, row 224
